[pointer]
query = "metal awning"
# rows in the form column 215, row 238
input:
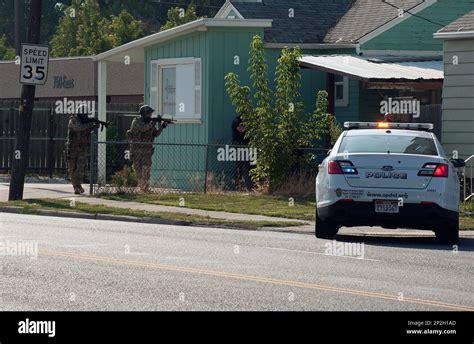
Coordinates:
column 377, row 70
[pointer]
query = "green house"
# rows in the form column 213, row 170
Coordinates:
column 458, row 91
column 185, row 67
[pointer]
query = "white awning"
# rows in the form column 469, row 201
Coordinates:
column 376, row 69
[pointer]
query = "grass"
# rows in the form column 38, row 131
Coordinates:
column 257, row 204
column 303, row 208
column 31, row 206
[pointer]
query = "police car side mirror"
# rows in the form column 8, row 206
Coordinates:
column 458, row 162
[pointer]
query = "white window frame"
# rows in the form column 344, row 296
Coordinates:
column 345, row 92
column 155, row 90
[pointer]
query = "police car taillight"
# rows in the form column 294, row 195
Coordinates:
column 434, row 170
column 341, row 167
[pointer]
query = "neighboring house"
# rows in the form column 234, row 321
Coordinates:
column 458, row 88
column 75, row 78
column 185, row 66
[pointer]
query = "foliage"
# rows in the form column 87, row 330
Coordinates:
column 278, row 127
column 179, row 16
column 125, row 178
column 326, row 123
column 6, row 53
column 82, row 30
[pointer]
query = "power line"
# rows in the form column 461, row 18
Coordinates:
column 413, row 14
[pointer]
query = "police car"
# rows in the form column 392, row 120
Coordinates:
column 394, row 175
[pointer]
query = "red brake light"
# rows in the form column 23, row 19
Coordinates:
column 341, row 167
column 434, row 170
column 334, row 168
column 441, row 170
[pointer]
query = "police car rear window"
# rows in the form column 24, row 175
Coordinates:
column 388, row 144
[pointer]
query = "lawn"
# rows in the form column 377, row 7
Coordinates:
column 297, row 208
column 300, row 208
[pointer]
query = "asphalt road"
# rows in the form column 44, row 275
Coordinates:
column 102, row 265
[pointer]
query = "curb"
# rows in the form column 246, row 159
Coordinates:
column 108, row 217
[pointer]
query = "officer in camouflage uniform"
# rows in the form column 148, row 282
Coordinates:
column 78, row 146
column 142, row 134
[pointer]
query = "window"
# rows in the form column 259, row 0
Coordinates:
column 175, row 89
column 341, row 90
column 388, row 144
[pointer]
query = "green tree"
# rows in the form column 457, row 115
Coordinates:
column 179, row 16
column 326, row 124
column 278, row 127
column 64, row 40
column 92, row 37
column 123, row 28
column 84, row 31
column 6, row 53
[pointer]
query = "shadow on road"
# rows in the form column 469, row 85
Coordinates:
column 415, row 242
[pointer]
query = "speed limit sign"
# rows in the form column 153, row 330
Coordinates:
column 34, row 64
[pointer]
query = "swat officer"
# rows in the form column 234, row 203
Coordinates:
column 142, row 134
column 78, row 146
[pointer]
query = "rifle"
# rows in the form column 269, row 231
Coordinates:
column 102, row 123
column 164, row 120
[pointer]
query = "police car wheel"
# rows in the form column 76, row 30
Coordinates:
column 325, row 229
column 448, row 233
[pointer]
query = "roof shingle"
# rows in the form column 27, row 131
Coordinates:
column 364, row 17
column 463, row 24
column 310, row 24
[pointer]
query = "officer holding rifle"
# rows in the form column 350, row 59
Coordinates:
column 78, row 145
column 141, row 135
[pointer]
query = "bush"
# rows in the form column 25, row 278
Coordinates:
column 125, row 178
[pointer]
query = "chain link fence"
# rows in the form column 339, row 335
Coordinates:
column 179, row 167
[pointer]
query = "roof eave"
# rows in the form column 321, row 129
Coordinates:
column 312, row 45
column 197, row 25
column 454, row 35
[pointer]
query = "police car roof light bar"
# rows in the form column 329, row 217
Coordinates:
column 388, row 125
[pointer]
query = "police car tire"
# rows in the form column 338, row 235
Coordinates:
column 324, row 229
column 448, row 233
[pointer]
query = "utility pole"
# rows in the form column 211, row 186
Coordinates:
column 17, row 27
column 20, row 155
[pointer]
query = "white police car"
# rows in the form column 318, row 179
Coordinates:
column 394, row 175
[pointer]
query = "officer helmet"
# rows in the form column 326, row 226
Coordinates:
column 145, row 110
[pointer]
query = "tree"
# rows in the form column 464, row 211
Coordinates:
column 178, row 16
column 83, row 31
column 276, row 128
column 6, row 53
column 327, row 126
column 123, row 28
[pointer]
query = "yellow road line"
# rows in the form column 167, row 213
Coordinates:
column 260, row 279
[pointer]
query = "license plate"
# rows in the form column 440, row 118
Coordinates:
column 386, row 207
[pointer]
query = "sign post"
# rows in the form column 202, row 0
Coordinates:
column 33, row 71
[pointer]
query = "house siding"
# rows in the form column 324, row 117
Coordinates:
column 417, row 34
column 458, row 97
column 173, row 162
